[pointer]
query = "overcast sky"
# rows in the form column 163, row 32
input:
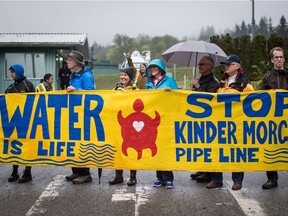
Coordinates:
column 102, row 20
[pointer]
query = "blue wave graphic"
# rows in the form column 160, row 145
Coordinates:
column 96, row 157
column 90, row 155
column 277, row 153
column 103, row 154
column 276, row 156
column 279, row 161
column 46, row 162
column 280, row 149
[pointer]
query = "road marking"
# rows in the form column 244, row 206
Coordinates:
column 50, row 193
column 249, row 206
column 140, row 197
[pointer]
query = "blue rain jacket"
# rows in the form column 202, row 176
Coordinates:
column 165, row 82
column 83, row 80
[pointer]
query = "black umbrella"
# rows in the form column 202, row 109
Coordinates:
column 99, row 174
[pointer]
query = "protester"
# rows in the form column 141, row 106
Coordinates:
column 81, row 79
column 207, row 83
column 277, row 78
column 21, row 84
column 233, row 81
column 157, row 79
column 140, row 76
column 64, row 75
column 126, row 83
column 46, row 84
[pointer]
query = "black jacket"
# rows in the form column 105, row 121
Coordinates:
column 275, row 79
column 19, row 86
column 208, row 83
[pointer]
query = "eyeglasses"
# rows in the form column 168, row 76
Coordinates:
column 201, row 64
column 278, row 57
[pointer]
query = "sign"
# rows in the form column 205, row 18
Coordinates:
column 146, row 129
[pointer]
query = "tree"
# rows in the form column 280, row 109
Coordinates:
column 281, row 29
column 244, row 30
column 263, row 28
column 258, row 60
column 205, row 34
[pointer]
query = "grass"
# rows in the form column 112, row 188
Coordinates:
column 108, row 82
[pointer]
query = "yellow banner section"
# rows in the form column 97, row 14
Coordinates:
column 149, row 130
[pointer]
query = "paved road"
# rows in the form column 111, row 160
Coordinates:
column 49, row 194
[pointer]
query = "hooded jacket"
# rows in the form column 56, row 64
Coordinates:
column 21, row 84
column 166, row 81
column 83, row 80
column 275, row 79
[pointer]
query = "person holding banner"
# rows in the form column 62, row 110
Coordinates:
column 140, row 77
column 126, row 83
column 207, row 83
column 21, row 84
column 46, row 84
column 277, row 78
column 158, row 79
column 81, row 79
column 233, row 81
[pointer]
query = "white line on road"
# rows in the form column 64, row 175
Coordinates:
column 51, row 192
column 250, row 206
column 140, row 197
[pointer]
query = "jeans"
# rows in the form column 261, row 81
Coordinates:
column 237, row 177
column 165, row 176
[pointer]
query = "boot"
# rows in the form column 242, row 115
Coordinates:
column 132, row 181
column 118, row 178
column 205, row 177
column 14, row 176
column 27, row 176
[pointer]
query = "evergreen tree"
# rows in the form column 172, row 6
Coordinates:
column 244, row 30
column 281, row 29
column 263, row 27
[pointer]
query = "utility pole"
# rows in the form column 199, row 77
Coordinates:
column 253, row 21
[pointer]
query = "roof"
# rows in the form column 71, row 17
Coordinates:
column 77, row 40
column 49, row 39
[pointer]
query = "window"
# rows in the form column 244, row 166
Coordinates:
column 34, row 63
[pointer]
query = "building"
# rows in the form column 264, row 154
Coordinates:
column 39, row 53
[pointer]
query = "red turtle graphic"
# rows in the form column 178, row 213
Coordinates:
column 139, row 130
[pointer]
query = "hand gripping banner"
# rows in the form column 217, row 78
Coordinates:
column 148, row 130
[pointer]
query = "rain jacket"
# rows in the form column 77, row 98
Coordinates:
column 166, row 81
column 208, row 83
column 19, row 86
column 241, row 84
column 275, row 79
column 83, row 80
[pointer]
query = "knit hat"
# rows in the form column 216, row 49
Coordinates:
column 77, row 56
column 129, row 71
column 19, row 70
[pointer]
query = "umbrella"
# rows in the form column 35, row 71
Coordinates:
column 99, row 174
column 190, row 52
